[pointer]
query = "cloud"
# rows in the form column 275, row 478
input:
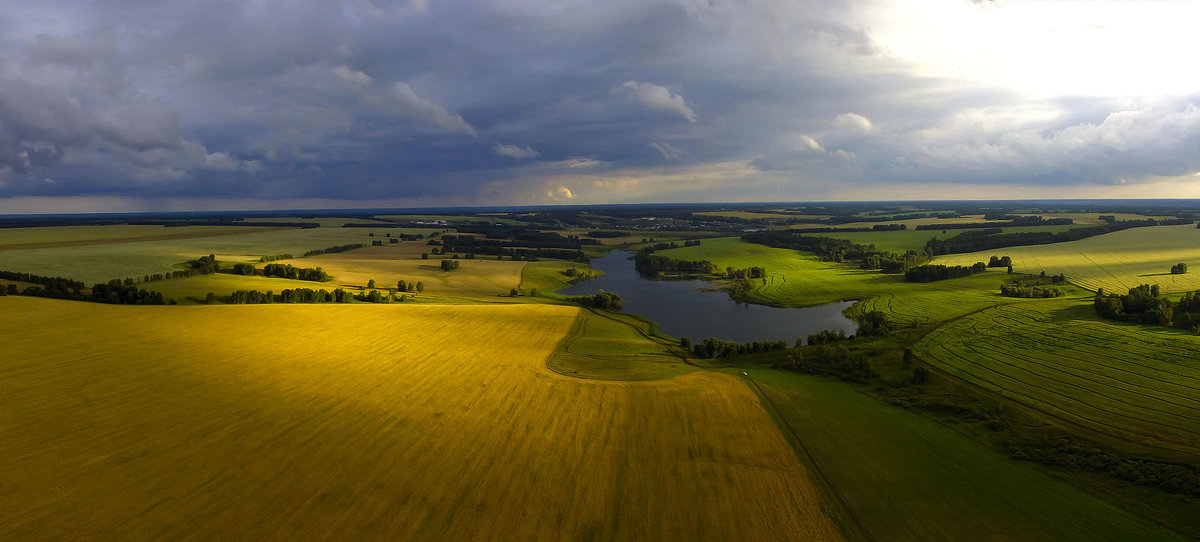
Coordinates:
column 668, row 151
column 352, row 76
column 801, row 99
column 576, row 163
column 806, row 143
column 429, row 112
column 656, row 97
column 517, row 152
column 855, row 121
column 560, row 192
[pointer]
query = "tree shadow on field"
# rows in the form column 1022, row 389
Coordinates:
column 1088, row 313
column 1157, row 274
column 1077, row 312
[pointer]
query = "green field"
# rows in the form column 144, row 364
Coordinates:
column 194, row 289
column 795, row 279
column 103, row 262
column 1127, row 381
column 547, row 276
column 1115, row 261
column 900, row 241
column 907, row 477
column 12, row 238
column 615, row 347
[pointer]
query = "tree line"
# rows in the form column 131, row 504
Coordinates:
column 333, row 249
column 1009, row 221
column 997, row 261
column 753, row 272
column 452, row 243
column 994, row 238
column 713, row 347
column 287, row 271
column 838, row 250
column 664, row 245
column 930, row 273
column 1145, row 304
column 651, row 265
column 600, row 300
column 35, row 279
column 308, row 295
column 113, row 292
column 1017, row 289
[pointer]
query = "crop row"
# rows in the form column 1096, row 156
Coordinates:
column 1099, row 375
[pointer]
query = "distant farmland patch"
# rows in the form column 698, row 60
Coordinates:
column 1114, row 261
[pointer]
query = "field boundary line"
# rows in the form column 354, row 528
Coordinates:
column 812, row 460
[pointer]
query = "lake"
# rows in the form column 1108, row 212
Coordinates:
column 683, row 308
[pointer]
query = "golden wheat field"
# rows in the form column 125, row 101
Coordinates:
column 406, row 422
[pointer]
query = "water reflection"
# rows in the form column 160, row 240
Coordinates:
column 690, row 308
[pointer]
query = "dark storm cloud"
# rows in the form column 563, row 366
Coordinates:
column 515, row 101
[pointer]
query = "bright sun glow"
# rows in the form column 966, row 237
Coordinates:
column 1046, row 48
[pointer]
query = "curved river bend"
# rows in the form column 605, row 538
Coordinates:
column 683, row 309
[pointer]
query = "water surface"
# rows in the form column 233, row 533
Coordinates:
column 683, row 308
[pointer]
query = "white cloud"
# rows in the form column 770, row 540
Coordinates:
column 560, row 192
column 352, row 76
column 1105, row 49
column 807, row 143
column 429, row 112
column 856, row 121
column 516, row 151
column 656, row 97
column 574, row 163
column 667, row 150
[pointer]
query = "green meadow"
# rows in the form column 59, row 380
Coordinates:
column 906, row 477
column 102, row 262
column 1131, row 382
column 798, row 279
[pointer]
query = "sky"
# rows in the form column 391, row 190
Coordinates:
column 252, row 104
